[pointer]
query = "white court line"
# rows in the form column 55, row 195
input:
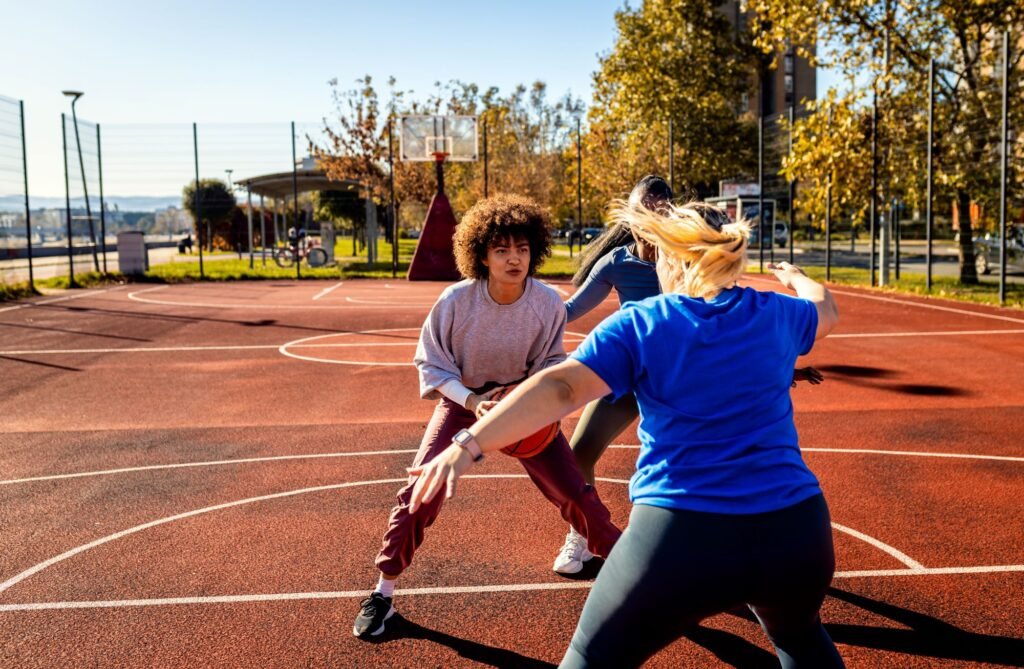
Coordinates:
column 358, row 300
column 314, row 456
column 327, row 291
column 18, row 578
column 58, row 299
column 254, row 347
column 899, row 555
column 453, row 590
column 207, row 463
column 911, row 303
column 952, row 333
column 284, row 349
column 871, row 451
column 181, row 349
column 135, row 296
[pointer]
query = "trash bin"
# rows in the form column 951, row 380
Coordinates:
column 327, row 239
column 132, row 255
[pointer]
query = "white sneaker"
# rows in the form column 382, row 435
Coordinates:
column 573, row 554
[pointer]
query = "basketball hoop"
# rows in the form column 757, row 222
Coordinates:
column 440, row 156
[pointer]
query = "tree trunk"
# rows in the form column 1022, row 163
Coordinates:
column 968, row 272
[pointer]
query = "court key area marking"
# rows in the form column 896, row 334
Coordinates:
column 914, row 567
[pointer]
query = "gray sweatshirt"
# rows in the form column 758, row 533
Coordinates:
column 469, row 340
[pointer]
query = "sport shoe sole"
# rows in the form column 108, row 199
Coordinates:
column 379, row 630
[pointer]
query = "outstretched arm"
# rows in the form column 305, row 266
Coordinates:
column 807, row 288
column 538, row 401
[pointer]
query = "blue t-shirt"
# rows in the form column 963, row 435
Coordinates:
column 712, row 380
column 633, row 279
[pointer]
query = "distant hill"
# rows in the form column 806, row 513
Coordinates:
column 128, row 203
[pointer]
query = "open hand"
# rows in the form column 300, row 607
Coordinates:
column 442, row 471
column 808, row 374
column 785, row 273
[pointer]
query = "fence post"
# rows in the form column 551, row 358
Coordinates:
column 760, row 184
column 28, row 210
column 295, row 200
column 873, row 210
column 198, row 200
column 67, row 202
column 828, row 209
column 928, row 196
column 792, row 191
column 1003, row 174
column 103, row 208
column 248, row 193
column 263, row 233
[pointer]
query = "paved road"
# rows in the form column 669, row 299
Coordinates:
column 14, row 271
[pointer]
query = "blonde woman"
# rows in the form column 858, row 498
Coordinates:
column 725, row 510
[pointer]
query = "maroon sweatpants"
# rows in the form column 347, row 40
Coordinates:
column 554, row 472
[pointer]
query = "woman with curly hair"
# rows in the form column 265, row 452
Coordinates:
column 494, row 329
column 725, row 511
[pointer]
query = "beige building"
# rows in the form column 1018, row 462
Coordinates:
column 791, row 80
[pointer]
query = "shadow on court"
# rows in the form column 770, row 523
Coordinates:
column 400, row 627
column 927, row 636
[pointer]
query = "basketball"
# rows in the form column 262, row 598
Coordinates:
column 536, row 442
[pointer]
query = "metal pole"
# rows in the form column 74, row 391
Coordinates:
column 760, row 186
column 896, row 235
column 198, row 201
column 252, row 260
column 103, row 207
column 67, row 202
column 28, row 211
column 486, row 174
column 1003, row 174
column 671, row 157
column 873, row 210
column 263, row 233
column 391, row 196
column 85, row 188
column 828, row 210
column 928, row 197
column 792, row 194
column 579, row 187
column 295, row 199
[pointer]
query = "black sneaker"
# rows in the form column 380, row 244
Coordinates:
column 374, row 610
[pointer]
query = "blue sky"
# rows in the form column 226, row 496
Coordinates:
column 260, row 61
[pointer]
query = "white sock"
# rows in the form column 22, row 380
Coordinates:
column 385, row 587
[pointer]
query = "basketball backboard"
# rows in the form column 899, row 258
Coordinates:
column 422, row 138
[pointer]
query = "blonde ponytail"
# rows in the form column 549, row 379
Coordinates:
column 700, row 252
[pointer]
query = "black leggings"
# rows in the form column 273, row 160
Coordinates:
column 672, row 568
column 602, row 421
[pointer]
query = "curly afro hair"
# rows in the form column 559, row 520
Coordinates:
column 496, row 219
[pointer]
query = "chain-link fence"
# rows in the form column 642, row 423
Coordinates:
column 873, row 211
column 16, row 235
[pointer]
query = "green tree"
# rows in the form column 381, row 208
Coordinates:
column 885, row 47
column 216, row 204
column 678, row 59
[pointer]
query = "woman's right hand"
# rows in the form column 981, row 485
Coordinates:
column 480, row 404
column 785, row 273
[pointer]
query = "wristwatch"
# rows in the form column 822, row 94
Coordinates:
column 466, row 440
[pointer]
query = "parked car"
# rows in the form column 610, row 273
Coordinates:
column 589, row 234
column 780, row 239
column 987, row 248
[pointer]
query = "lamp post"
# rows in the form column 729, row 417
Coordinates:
column 74, row 95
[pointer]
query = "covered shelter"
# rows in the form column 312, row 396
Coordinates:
column 280, row 187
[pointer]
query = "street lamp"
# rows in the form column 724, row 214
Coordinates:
column 74, row 95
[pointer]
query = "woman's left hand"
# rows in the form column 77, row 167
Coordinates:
column 446, row 468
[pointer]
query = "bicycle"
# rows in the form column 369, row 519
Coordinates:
column 284, row 256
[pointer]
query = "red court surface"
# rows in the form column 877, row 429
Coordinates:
column 199, row 476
